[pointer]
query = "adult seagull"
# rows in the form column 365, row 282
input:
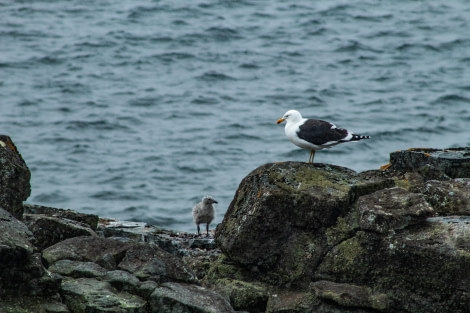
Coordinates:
column 314, row 134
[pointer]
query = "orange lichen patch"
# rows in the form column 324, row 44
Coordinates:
column 427, row 155
column 105, row 221
column 424, row 150
column 386, row 166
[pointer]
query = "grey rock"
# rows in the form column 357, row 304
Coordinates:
column 14, row 178
column 25, row 304
column 146, row 288
column 122, row 280
column 294, row 302
column 85, row 295
column 151, row 262
column 90, row 220
column 177, row 297
column 280, row 213
column 349, row 295
column 21, row 270
column 453, row 162
column 391, row 209
column 249, row 296
column 408, row 265
column 105, row 252
column 448, row 197
column 77, row 269
column 51, row 230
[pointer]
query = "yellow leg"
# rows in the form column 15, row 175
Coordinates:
column 312, row 155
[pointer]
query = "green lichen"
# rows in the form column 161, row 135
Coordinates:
column 244, row 295
column 224, row 268
column 344, row 228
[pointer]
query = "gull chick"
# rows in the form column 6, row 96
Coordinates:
column 203, row 213
column 314, row 134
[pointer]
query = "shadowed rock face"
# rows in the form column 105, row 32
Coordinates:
column 14, row 178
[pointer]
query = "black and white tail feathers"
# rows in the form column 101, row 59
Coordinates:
column 359, row 137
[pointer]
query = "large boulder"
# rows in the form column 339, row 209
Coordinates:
column 348, row 242
column 276, row 223
column 14, row 178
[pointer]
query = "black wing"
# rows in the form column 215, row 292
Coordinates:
column 320, row 132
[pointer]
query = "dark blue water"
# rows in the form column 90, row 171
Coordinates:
column 136, row 109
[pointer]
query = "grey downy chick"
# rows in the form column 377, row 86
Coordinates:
column 203, row 213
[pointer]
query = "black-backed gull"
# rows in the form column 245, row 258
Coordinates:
column 314, row 134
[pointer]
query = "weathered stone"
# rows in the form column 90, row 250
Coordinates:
column 151, row 262
column 105, row 252
column 249, row 296
column 292, row 302
column 276, row 222
column 123, row 281
column 448, row 197
column 21, row 270
column 454, row 162
column 200, row 261
column 421, row 269
column 14, row 178
column 25, row 304
column 91, row 220
column 177, row 297
column 391, row 209
column 77, row 269
column 350, row 295
column 51, row 230
column 85, row 295
column 273, row 199
column 141, row 232
column 146, row 288
column 202, row 243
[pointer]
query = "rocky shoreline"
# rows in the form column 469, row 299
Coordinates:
column 295, row 238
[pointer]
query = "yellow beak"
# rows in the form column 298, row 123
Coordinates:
column 279, row 121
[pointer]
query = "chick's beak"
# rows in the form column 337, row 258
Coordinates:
column 279, row 121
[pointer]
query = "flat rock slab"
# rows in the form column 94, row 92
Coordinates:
column 91, row 295
column 77, row 269
column 350, row 295
column 49, row 230
column 454, row 162
column 175, row 297
column 88, row 219
column 103, row 251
